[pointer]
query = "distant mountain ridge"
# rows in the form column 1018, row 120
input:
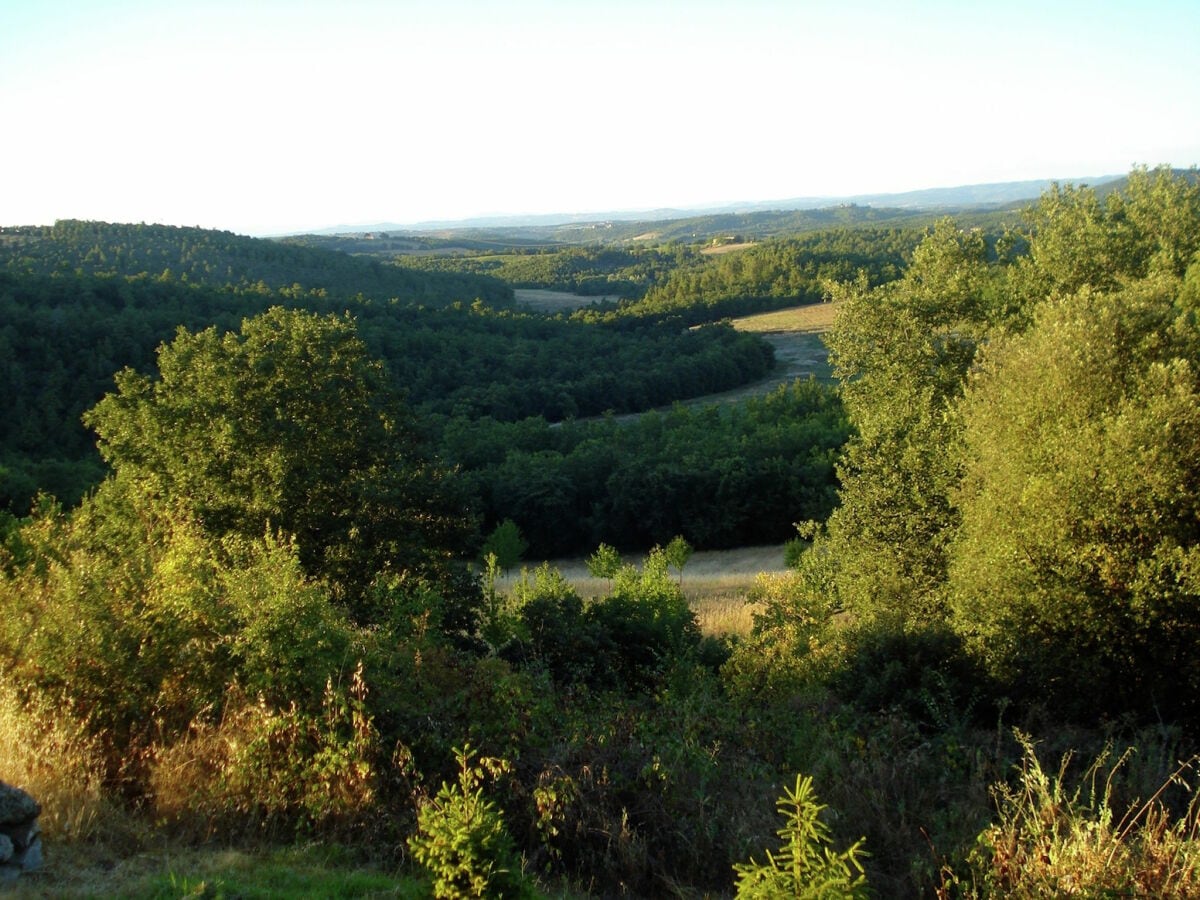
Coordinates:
column 972, row 196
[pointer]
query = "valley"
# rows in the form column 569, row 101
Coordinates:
column 930, row 625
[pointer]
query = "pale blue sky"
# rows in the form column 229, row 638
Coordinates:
column 263, row 116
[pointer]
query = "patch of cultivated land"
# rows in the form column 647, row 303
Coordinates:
column 545, row 301
column 811, row 318
column 725, row 248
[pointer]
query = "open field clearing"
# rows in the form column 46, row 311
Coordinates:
column 721, row 249
column 811, row 318
column 715, row 582
column 539, row 300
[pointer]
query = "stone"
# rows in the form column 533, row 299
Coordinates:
column 6, row 848
column 22, row 835
column 16, row 806
column 31, row 860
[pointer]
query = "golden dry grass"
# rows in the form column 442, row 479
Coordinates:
column 811, row 318
column 722, row 249
column 51, row 758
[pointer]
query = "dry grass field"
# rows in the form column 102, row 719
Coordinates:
column 715, row 582
column 722, row 249
column 812, row 318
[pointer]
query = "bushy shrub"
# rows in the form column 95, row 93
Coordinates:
column 623, row 641
column 643, row 624
column 924, row 673
column 791, row 643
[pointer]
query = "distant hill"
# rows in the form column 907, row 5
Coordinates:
column 223, row 260
column 972, row 196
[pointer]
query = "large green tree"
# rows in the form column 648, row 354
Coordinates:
column 286, row 425
column 901, row 352
column 1078, row 558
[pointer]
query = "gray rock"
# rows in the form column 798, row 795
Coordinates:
column 22, row 835
column 16, row 806
column 6, row 848
column 32, row 858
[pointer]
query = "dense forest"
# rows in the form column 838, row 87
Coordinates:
column 66, row 330
column 979, row 679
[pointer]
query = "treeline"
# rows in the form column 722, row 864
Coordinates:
column 221, row 259
column 64, row 336
column 721, row 476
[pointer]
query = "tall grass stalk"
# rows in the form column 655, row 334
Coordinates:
column 1055, row 840
column 52, row 758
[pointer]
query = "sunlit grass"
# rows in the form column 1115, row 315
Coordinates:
column 304, row 870
column 51, row 758
column 811, row 318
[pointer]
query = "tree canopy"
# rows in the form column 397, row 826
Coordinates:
column 1027, row 429
column 286, row 425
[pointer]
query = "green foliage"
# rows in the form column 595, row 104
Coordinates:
column 289, row 638
column 461, row 840
column 506, row 544
column 793, row 550
column 219, row 259
column 643, row 625
column 804, row 866
column 62, row 337
column 289, row 425
column 926, row 675
column 130, row 638
column 902, row 352
column 282, row 768
column 772, row 274
column 590, row 271
column 605, row 562
column 725, row 476
column 677, row 553
column 1076, row 561
column 558, row 636
column 792, row 639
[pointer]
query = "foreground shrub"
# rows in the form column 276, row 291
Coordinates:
column 805, row 865
column 1054, row 840
column 461, row 840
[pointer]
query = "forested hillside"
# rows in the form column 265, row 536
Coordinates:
column 220, row 259
column 772, row 274
column 980, row 680
column 66, row 335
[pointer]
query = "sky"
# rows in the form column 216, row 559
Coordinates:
column 267, row 117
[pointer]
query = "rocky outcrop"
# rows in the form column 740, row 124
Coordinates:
column 20, row 836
